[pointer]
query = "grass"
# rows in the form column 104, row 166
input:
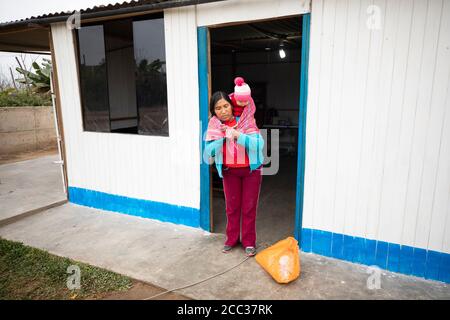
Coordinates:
column 29, row 273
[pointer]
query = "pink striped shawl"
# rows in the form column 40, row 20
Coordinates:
column 246, row 125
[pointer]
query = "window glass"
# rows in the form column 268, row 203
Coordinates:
column 151, row 84
column 121, row 76
column 93, row 76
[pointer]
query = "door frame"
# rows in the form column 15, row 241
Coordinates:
column 59, row 126
column 304, row 66
column 204, row 85
column 204, row 82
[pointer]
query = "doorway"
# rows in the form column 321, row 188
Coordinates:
column 268, row 55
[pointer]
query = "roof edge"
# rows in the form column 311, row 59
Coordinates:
column 46, row 20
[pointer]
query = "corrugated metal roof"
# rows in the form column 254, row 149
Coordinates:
column 90, row 9
column 53, row 17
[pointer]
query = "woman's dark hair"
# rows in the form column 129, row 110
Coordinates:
column 215, row 98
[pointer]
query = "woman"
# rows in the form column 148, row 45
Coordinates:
column 237, row 150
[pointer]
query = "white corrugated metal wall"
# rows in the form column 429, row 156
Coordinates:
column 378, row 122
column 162, row 169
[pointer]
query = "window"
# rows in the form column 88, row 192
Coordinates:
column 93, row 79
column 123, row 76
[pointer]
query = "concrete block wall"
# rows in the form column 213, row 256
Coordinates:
column 26, row 129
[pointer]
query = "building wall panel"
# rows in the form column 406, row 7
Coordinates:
column 377, row 159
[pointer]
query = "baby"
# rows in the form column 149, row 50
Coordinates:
column 241, row 96
column 243, row 107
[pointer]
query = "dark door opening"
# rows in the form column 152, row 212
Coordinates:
column 268, row 55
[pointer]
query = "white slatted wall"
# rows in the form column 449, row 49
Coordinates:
column 378, row 122
column 163, row 169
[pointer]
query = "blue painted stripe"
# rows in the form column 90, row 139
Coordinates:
column 321, row 242
column 202, row 43
column 359, row 249
column 306, row 239
column 370, row 254
column 136, row 207
column 306, row 20
column 433, row 262
column 444, row 268
column 393, row 262
column 406, row 255
column 408, row 260
column 349, row 249
column 337, row 246
column 381, row 254
column 419, row 262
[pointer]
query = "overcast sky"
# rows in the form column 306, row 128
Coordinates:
column 21, row 9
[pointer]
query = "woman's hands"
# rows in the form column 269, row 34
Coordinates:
column 230, row 132
column 234, row 134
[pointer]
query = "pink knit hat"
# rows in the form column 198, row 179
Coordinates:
column 242, row 91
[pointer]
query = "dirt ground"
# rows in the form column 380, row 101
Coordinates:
column 141, row 291
column 15, row 157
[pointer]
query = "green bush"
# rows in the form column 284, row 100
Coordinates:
column 13, row 98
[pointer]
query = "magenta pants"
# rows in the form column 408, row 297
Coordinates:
column 241, row 189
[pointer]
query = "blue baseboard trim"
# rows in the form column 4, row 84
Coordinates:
column 137, row 207
column 408, row 260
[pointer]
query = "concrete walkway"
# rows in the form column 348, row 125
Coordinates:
column 29, row 185
column 172, row 256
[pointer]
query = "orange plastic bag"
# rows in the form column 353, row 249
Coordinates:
column 281, row 261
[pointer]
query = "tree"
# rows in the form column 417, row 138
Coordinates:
column 39, row 79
